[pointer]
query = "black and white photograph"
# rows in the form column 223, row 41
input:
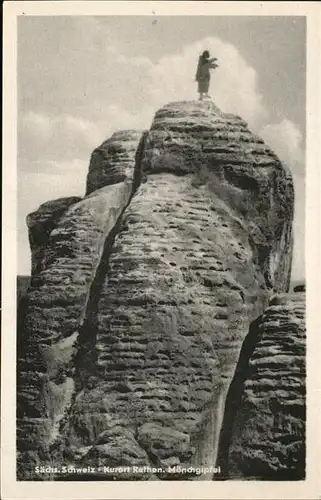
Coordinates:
column 160, row 312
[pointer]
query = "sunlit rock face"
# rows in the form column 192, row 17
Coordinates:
column 194, row 237
column 113, row 161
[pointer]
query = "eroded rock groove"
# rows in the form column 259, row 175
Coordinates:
column 146, row 291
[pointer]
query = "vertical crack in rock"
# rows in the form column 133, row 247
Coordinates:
column 85, row 357
column 182, row 287
column 234, row 398
column 54, row 309
column 85, row 353
column 167, row 275
column 263, row 432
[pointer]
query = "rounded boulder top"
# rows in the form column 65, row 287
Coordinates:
column 194, row 112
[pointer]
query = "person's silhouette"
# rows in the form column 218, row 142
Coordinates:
column 203, row 75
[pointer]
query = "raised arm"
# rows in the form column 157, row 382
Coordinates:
column 213, row 62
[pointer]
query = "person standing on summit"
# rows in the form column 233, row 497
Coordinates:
column 203, row 75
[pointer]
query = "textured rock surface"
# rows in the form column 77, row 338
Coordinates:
column 113, row 161
column 40, row 224
column 55, row 309
column 192, row 265
column 240, row 169
column 263, row 433
column 22, row 287
column 193, row 259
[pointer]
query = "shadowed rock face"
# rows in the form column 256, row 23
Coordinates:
column 174, row 278
column 263, row 433
column 53, row 313
column 22, row 287
column 40, row 224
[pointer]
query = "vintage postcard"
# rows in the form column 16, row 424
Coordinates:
column 161, row 277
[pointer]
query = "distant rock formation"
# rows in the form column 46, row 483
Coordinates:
column 136, row 316
column 263, row 432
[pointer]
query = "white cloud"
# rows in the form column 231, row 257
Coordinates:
column 233, row 85
column 103, row 91
column 285, row 139
column 35, row 126
column 138, row 88
column 36, row 187
column 57, row 138
column 86, row 130
column 120, row 118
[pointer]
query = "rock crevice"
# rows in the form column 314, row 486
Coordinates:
column 147, row 286
column 86, row 355
column 78, row 234
column 268, row 392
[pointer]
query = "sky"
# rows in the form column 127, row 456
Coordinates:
column 80, row 78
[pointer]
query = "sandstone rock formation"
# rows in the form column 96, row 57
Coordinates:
column 40, row 224
column 114, row 160
column 263, row 432
column 65, row 273
column 133, row 325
